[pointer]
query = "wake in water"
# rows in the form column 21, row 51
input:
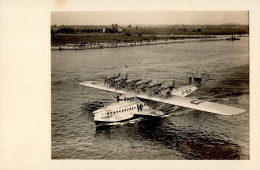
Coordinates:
column 192, row 141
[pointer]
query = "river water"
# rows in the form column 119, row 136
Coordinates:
column 186, row 134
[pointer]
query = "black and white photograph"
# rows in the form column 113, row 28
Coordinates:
column 150, row 85
column 125, row 85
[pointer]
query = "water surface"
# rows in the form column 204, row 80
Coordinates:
column 186, row 134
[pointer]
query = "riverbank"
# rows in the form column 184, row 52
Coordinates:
column 85, row 46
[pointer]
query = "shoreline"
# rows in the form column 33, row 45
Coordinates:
column 71, row 46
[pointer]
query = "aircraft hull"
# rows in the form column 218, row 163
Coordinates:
column 136, row 116
column 101, row 116
column 97, row 122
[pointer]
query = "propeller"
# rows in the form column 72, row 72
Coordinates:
column 115, row 77
column 111, row 80
column 103, row 76
column 152, row 87
column 131, row 85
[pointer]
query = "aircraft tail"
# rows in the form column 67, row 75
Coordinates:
column 195, row 78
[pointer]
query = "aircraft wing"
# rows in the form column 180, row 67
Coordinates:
column 196, row 104
column 101, row 86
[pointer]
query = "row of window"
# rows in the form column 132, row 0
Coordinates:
column 124, row 110
column 127, row 99
column 152, row 102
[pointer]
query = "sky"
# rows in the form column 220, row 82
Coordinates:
column 148, row 18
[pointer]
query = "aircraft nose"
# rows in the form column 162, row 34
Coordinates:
column 95, row 112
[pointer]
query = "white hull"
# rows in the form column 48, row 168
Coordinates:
column 130, row 112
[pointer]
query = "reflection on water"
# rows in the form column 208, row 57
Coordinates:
column 183, row 134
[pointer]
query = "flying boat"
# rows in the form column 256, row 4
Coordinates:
column 137, row 98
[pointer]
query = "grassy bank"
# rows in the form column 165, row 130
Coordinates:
column 91, row 34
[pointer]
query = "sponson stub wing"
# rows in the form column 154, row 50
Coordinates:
column 196, row 104
column 101, row 86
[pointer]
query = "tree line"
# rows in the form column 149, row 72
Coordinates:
column 68, row 30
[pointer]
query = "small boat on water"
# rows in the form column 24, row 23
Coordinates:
column 232, row 38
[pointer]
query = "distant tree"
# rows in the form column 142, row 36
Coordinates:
column 110, row 30
column 114, row 26
column 129, row 26
column 199, row 29
column 66, row 30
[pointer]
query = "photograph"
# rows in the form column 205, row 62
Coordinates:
column 149, row 85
